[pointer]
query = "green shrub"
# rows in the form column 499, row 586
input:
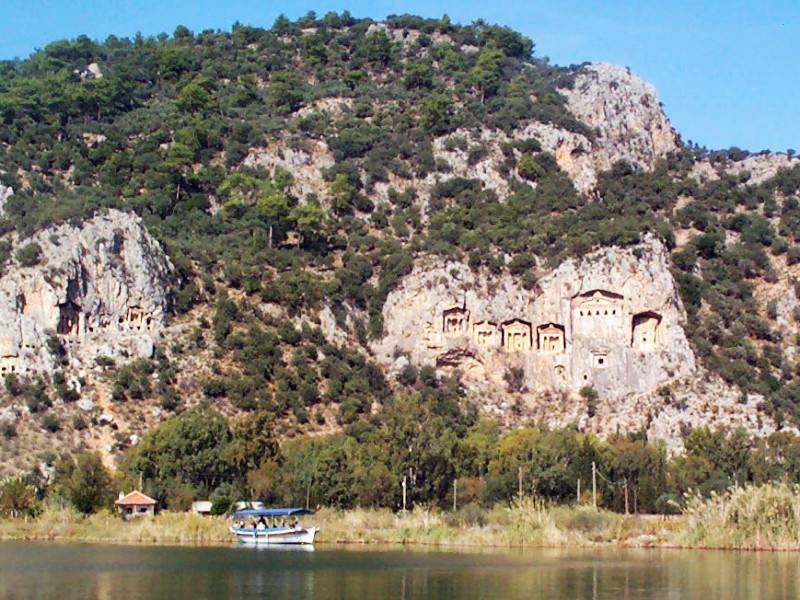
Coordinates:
column 408, row 376
column 29, row 255
column 8, row 429
column 214, row 388
column 51, row 423
column 588, row 520
column 221, row 506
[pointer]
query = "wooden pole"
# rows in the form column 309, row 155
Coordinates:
column 625, row 487
column 594, row 485
column 404, row 493
column 455, row 495
column 519, row 475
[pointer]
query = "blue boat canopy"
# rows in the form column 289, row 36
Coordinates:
column 272, row 512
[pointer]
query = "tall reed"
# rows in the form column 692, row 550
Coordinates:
column 752, row 517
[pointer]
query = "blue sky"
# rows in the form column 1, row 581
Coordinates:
column 725, row 70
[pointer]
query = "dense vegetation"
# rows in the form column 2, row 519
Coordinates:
column 172, row 130
column 424, row 438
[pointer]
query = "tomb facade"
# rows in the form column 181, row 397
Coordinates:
column 8, row 364
column 551, row 338
column 484, row 334
column 599, row 304
column 516, row 335
column 135, row 320
column 646, row 331
column 599, row 314
column 70, row 318
column 600, row 359
column 455, row 321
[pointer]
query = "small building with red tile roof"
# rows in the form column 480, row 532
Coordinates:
column 136, row 504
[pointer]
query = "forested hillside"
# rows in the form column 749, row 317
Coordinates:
column 294, row 176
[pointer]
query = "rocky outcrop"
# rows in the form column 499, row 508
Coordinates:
column 91, row 71
column 611, row 321
column 627, row 120
column 625, row 113
column 99, row 289
column 305, row 163
column 609, row 324
column 574, row 152
column 622, row 111
column 5, row 194
column 454, row 150
column 751, row 170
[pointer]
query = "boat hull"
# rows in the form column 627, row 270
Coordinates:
column 280, row 535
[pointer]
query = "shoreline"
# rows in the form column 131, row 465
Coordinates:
column 526, row 526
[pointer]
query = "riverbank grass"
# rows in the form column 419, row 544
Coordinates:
column 166, row 528
column 748, row 518
column 763, row 517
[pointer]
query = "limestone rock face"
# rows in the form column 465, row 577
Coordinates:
column 625, row 113
column 620, row 108
column 5, row 194
column 99, row 289
column 305, row 164
column 611, row 321
column 753, row 170
column 574, row 153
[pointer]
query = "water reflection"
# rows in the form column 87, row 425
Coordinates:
column 31, row 570
column 276, row 548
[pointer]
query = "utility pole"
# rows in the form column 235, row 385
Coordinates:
column 404, row 493
column 594, row 485
column 455, row 495
column 625, row 487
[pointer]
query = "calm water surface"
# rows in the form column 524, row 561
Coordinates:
column 71, row 571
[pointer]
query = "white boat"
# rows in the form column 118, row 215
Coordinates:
column 251, row 526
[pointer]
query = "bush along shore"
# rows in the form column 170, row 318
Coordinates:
column 747, row 518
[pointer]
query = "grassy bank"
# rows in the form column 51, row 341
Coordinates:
column 528, row 523
column 766, row 517
column 166, row 528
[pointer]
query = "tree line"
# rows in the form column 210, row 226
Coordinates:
column 428, row 439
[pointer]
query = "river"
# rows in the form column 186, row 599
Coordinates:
column 93, row 571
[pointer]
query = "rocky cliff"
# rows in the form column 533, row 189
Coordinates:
column 101, row 289
column 611, row 321
column 625, row 114
column 598, row 343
